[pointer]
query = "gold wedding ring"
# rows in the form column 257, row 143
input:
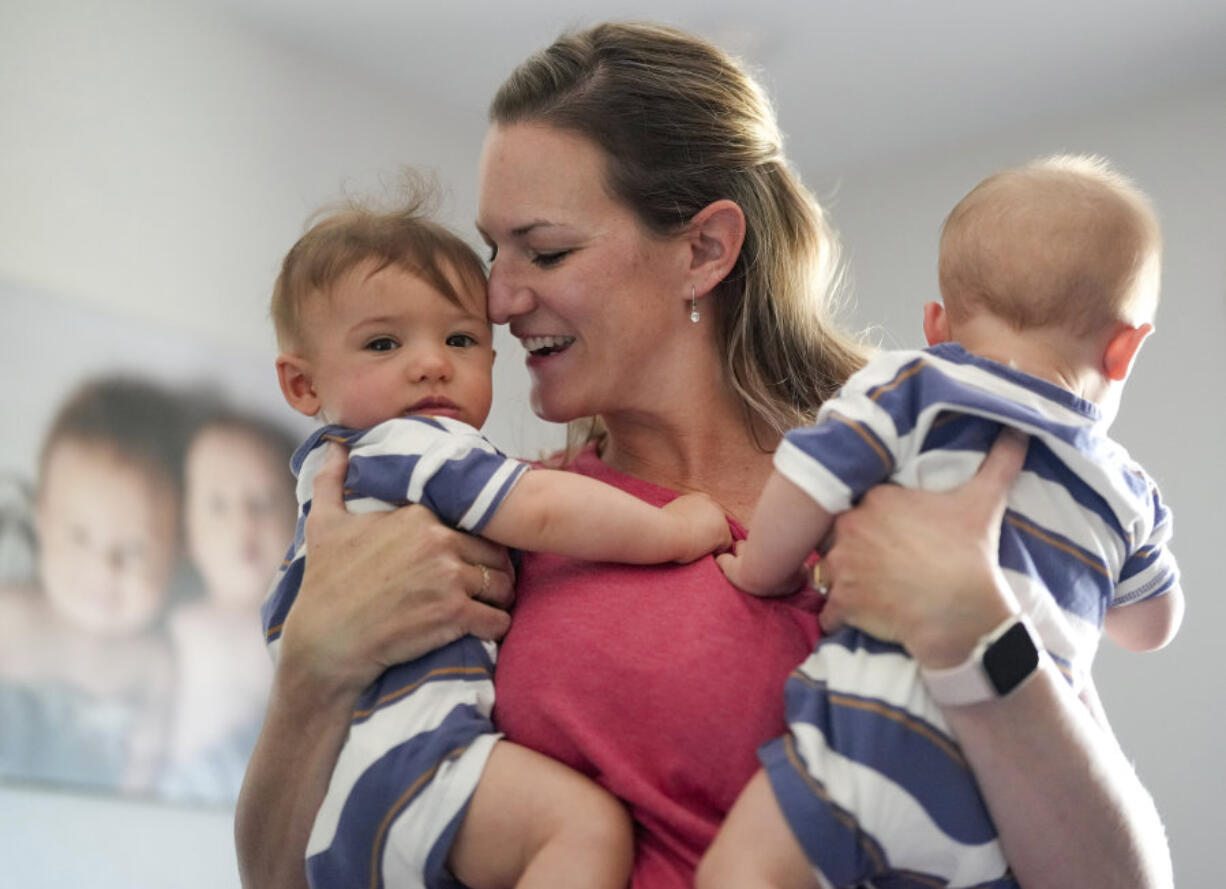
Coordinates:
column 822, row 588
column 485, row 581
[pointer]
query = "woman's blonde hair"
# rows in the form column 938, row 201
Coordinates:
column 683, row 125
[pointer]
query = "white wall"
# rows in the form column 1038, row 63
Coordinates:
column 1168, row 708
column 157, row 161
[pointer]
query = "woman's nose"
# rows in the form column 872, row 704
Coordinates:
column 508, row 297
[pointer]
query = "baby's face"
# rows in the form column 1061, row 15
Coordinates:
column 239, row 513
column 389, row 345
column 108, row 538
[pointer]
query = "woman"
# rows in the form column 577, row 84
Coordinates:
column 668, row 276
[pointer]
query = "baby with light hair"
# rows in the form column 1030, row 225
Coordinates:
column 1049, row 276
column 381, row 316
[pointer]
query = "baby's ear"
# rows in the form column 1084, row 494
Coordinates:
column 1122, row 351
column 294, row 375
column 936, row 324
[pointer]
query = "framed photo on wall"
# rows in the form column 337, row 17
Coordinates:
column 146, row 503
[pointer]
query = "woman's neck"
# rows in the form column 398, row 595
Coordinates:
column 704, row 447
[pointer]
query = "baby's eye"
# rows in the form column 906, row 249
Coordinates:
column 461, row 340
column 382, row 344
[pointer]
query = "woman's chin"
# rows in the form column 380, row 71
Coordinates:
column 553, row 409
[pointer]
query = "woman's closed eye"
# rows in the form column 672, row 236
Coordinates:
column 548, row 260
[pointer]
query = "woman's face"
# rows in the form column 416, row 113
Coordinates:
column 593, row 297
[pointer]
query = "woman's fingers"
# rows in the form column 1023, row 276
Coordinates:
column 456, row 581
column 484, row 621
column 920, row 567
column 382, row 588
column 495, row 584
column 387, row 587
column 327, row 493
column 989, row 488
column 831, row 617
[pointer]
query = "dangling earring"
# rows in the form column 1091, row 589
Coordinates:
column 694, row 316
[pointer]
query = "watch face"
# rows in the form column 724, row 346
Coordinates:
column 1010, row 659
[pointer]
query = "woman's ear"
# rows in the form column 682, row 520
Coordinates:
column 715, row 235
column 294, row 375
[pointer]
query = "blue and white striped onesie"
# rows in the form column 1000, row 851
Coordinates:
column 421, row 734
column 869, row 776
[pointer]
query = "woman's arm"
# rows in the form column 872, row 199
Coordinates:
column 921, row 568
column 285, row 783
column 379, row 589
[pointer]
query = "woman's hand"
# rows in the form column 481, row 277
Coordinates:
column 920, row 568
column 386, row 587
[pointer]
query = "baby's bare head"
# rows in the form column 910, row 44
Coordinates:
column 1063, row 241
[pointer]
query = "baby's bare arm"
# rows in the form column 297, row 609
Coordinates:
column 1148, row 625
column 787, row 525
column 572, row 515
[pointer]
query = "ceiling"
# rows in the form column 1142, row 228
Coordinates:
column 855, row 81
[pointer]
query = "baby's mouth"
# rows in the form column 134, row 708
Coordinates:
column 541, row 346
column 434, row 405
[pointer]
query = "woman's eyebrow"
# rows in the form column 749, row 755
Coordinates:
column 521, row 230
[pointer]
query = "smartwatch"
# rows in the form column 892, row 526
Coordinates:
column 1000, row 662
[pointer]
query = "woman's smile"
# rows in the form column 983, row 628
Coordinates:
column 543, row 346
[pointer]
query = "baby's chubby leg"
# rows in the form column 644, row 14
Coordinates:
column 534, row 822
column 755, row 848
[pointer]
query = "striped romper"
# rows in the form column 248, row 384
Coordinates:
column 421, row 734
column 869, row 777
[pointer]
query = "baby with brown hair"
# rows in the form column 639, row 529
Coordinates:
column 381, row 318
column 1050, row 275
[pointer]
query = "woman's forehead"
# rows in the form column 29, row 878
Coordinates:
column 534, row 175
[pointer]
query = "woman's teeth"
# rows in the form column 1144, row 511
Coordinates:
column 546, row 345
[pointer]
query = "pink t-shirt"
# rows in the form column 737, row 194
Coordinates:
column 658, row 681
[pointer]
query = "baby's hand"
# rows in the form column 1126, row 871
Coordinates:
column 705, row 525
column 730, row 564
column 733, row 566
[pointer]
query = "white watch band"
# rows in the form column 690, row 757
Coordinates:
column 968, row 682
